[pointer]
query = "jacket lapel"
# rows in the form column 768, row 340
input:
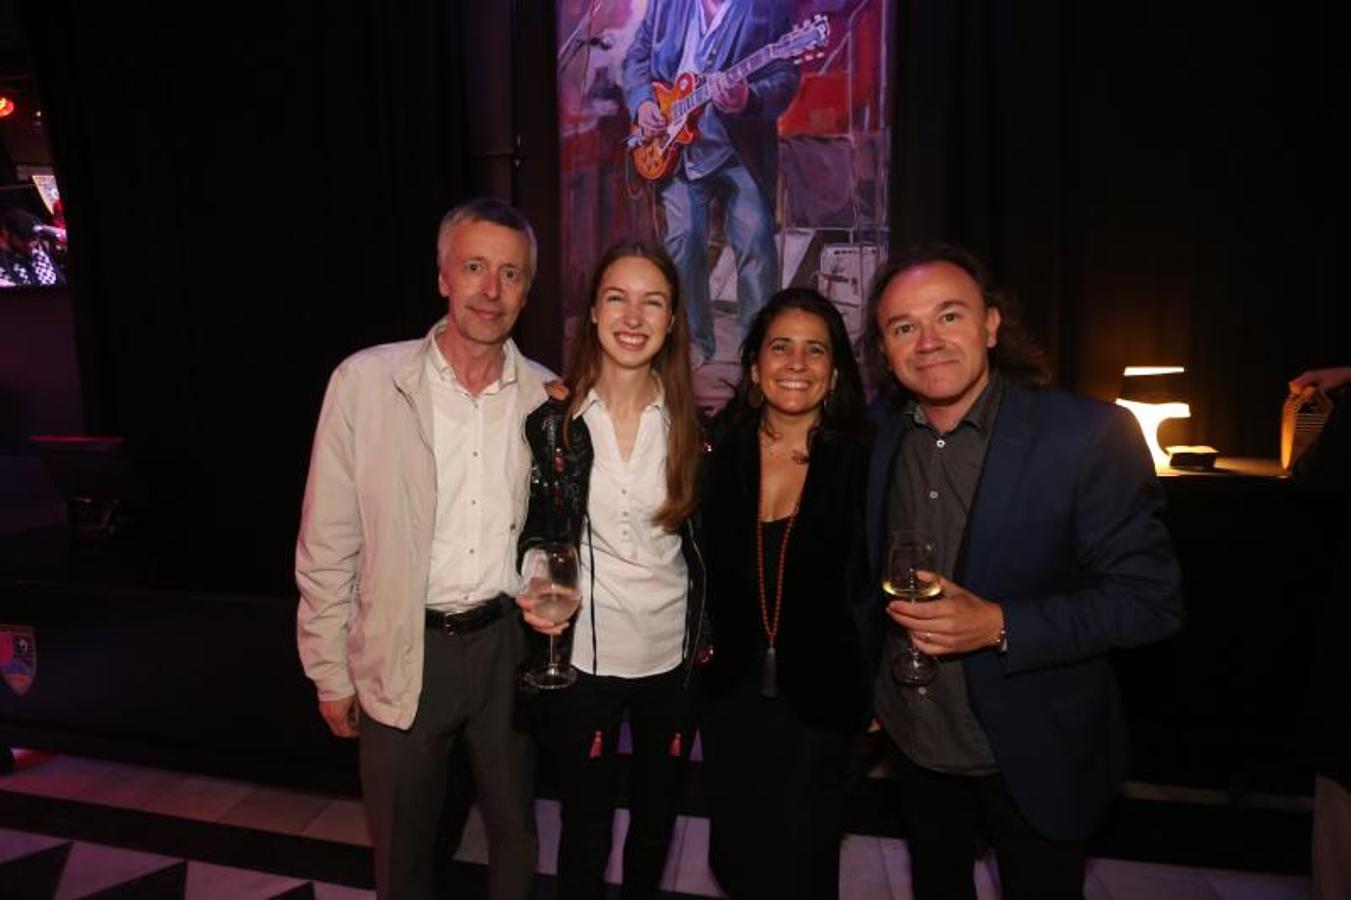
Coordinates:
column 890, row 426
column 815, row 504
column 409, row 382
column 1010, row 443
column 748, row 469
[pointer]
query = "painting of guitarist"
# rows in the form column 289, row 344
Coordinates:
column 723, row 152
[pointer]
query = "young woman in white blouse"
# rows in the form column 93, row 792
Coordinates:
column 615, row 471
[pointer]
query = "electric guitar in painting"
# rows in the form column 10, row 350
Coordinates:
column 681, row 104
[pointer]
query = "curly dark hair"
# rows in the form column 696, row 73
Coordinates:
column 845, row 412
column 1016, row 356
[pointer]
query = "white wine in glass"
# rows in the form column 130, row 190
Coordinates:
column 910, row 576
column 551, row 582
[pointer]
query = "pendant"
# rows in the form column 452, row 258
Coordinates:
column 769, row 683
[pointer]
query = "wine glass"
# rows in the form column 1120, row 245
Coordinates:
column 908, row 554
column 551, row 583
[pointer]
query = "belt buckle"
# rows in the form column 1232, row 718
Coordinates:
column 452, row 623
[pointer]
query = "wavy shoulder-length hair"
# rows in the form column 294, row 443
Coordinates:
column 1016, row 355
column 844, row 412
column 672, row 368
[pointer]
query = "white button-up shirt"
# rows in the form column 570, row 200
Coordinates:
column 482, row 477
column 641, row 583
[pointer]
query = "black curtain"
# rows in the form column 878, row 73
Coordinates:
column 1155, row 180
column 249, row 199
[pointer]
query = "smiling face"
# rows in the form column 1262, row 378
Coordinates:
column 793, row 367
column 937, row 334
column 484, row 274
column 631, row 312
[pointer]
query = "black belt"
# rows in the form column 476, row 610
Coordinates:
column 480, row 616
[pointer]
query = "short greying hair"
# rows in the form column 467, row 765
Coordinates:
column 486, row 209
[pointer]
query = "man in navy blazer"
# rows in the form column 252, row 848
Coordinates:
column 1046, row 514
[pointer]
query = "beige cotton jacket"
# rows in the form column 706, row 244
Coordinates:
column 364, row 549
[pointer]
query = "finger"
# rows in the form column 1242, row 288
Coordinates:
column 932, row 648
column 545, row 626
column 339, row 726
column 934, row 609
column 932, row 577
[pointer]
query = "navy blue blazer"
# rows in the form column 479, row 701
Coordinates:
column 1064, row 532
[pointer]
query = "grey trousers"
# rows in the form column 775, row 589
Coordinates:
column 467, row 693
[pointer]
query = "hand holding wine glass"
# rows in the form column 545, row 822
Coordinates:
column 957, row 621
column 910, row 575
column 550, row 599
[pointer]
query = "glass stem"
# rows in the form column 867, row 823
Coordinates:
column 553, row 654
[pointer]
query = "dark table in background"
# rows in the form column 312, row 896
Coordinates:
column 1223, row 704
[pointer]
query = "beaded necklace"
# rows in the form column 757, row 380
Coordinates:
column 769, row 684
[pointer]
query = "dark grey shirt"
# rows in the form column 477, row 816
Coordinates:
column 933, row 482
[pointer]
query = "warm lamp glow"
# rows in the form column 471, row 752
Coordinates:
column 6, row 106
column 1153, row 380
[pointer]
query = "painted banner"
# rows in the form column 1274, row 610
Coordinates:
column 749, row 136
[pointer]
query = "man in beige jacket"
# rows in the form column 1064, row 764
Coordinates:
column 406, row 559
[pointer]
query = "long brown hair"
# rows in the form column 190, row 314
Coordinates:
column 672, row 366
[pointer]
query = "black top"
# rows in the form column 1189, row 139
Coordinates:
column 822, row 674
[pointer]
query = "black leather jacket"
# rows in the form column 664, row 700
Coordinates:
column 560, row 478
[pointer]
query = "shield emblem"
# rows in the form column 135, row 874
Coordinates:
column 18, row 657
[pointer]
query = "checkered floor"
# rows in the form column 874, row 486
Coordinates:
column 73, row 827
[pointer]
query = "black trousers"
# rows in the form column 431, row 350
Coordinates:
column 776, row 797
column 582, row 733
column 950, row 818
column 467, row 694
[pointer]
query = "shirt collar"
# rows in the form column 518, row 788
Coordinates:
column 979, row 416
column 657, row 403
column 436, row 360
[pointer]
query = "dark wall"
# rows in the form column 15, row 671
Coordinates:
column 250, row 200
column 39, row 373
column 1156, row 180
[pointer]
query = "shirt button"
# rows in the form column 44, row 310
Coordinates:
column 471, row 551
column 940, row 443
column 475, row 454
column 933, row 495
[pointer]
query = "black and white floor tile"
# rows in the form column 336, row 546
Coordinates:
column 75, row 828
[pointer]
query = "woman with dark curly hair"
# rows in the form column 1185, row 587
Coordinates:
column 788, row 685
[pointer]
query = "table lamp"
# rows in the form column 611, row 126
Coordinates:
column 1154, row 394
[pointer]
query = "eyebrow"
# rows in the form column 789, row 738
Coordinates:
column 955, row 302
column 775, row 338
column 614, row 288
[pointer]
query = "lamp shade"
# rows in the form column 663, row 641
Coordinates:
column 1153, row 384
